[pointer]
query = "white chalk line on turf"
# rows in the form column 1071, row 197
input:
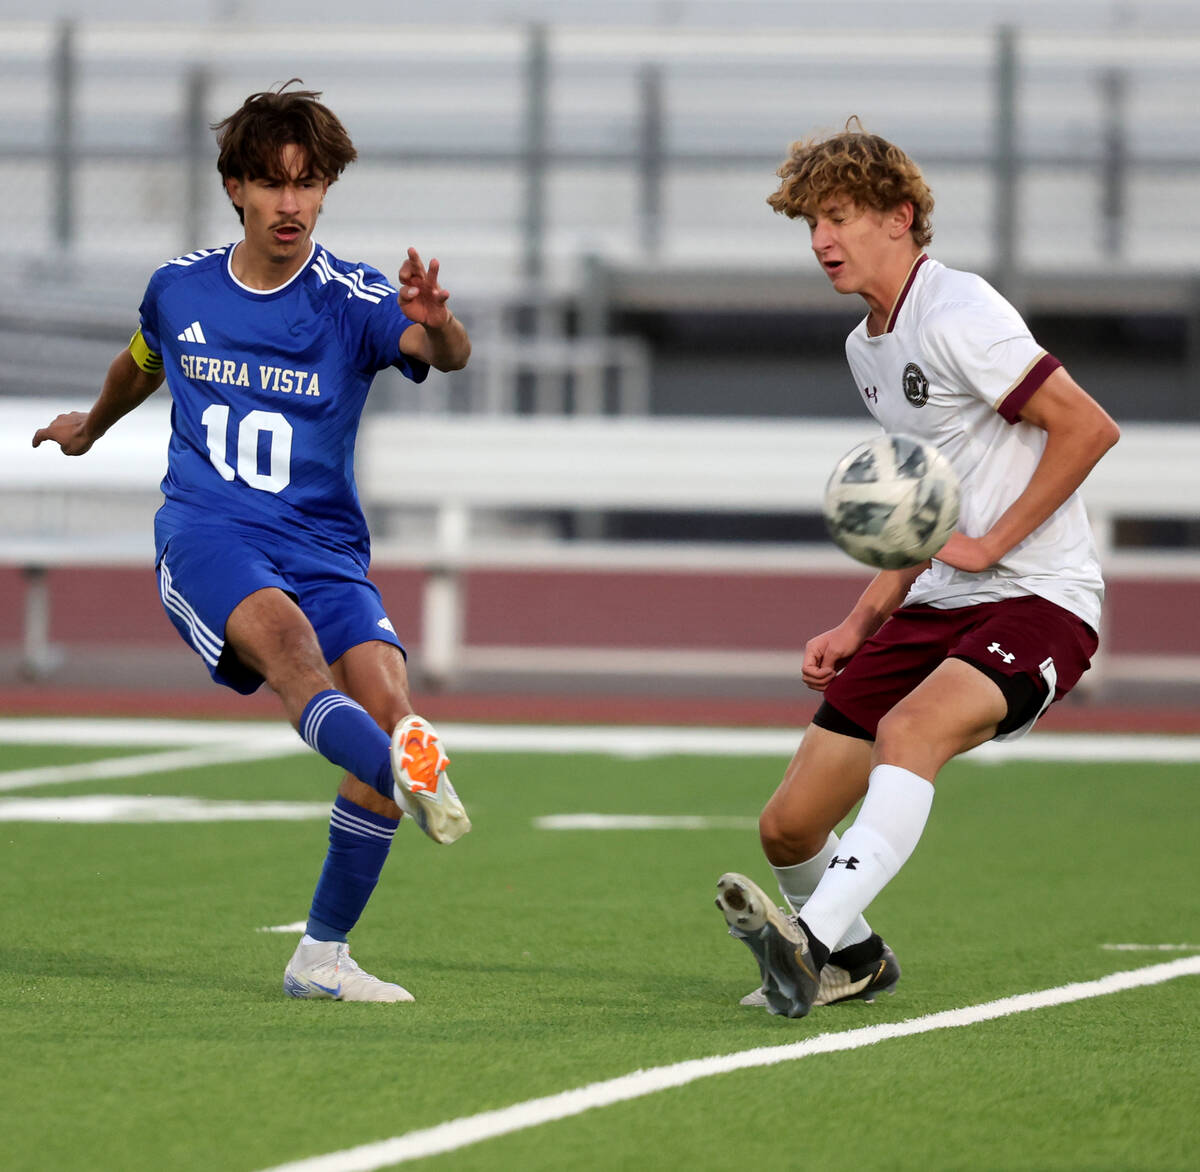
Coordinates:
column 277, row 739
column 644, row 822
column 460, row 1133
column 138, row 766
column 1151, row 947
column 112, row 808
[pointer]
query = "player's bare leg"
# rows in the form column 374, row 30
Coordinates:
column 825, row 778
column 954, row 709
column 376, row 675
column 346, row 712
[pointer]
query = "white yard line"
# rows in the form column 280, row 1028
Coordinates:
column 1151, row 947
column 113, row 808
column 19, row 730
column 473, row 1129
column 643, row 822
column 140, row 765
column 277, row 739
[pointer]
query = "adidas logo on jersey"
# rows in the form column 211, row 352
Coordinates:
column 193, row 334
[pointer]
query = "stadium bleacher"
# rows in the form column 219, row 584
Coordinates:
column 587, row 180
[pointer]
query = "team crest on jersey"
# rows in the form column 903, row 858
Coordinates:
column 916, row 385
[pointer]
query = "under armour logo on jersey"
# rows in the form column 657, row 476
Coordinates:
column 996, row 649
column 871, row 393
column 850, row 863
column 193, row 334
column 386, row 624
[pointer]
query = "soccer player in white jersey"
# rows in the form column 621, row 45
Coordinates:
column 935, row 660
column 268, row 347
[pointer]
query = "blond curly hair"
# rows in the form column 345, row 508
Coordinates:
column 870, row 170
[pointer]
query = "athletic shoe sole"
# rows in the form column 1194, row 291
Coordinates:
column 422, row 788
column 790, row 983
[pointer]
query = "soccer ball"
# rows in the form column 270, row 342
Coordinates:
column 892, row 502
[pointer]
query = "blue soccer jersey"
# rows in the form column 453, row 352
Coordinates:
column 268, row 389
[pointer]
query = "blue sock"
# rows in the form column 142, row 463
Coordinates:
column 358, row 846
column 342, row 731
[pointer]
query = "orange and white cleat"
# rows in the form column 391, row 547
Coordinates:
column 423, row 790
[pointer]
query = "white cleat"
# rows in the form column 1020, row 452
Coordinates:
column 422, row 789
column 323, row 970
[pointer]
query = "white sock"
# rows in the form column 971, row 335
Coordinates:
column 877, row 845
column 799, row 881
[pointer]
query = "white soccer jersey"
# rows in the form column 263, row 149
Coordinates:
column 955, row 366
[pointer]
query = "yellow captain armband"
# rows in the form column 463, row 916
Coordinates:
column 150, row 362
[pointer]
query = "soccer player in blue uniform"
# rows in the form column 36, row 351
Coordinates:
column 268, row 347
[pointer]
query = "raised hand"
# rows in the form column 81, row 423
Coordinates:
column 421, row 297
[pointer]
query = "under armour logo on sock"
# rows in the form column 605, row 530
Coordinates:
column 850, row 863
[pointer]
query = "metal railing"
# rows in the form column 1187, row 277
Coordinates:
column 533, row 159
column 652, row 112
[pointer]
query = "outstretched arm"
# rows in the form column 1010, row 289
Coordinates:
column 438, row 337
column 1078, row 432
column 125, row 387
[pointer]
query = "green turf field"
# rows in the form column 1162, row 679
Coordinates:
column 142, row 1025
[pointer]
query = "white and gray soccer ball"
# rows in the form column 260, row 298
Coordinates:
column 892, row 502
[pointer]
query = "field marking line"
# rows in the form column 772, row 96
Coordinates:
column 609, row 741
column 644, row 822
column 472, row 1129
column 111, row 809
column 101, row 730
column 109, row 768
column 1151, row 947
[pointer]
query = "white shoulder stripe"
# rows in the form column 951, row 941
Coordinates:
column 355, row 281
column 190, row 258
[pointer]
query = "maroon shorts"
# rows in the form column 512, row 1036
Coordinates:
column 1012, row 637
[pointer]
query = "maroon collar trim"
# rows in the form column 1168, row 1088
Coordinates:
column 900, row 299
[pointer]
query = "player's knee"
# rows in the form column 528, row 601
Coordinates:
column 919, row 739
column 295, row 667
column 390, row 712
column 903, row 726
column 785, row 842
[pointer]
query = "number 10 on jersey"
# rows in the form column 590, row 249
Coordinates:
column 249, row 438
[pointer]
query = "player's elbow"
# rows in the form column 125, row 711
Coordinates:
column 1105, row 434
column 1095, row 431
column 455, row 360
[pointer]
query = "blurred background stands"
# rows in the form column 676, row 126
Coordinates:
column 593, row 180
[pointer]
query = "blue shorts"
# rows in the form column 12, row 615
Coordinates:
column 204, row 573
